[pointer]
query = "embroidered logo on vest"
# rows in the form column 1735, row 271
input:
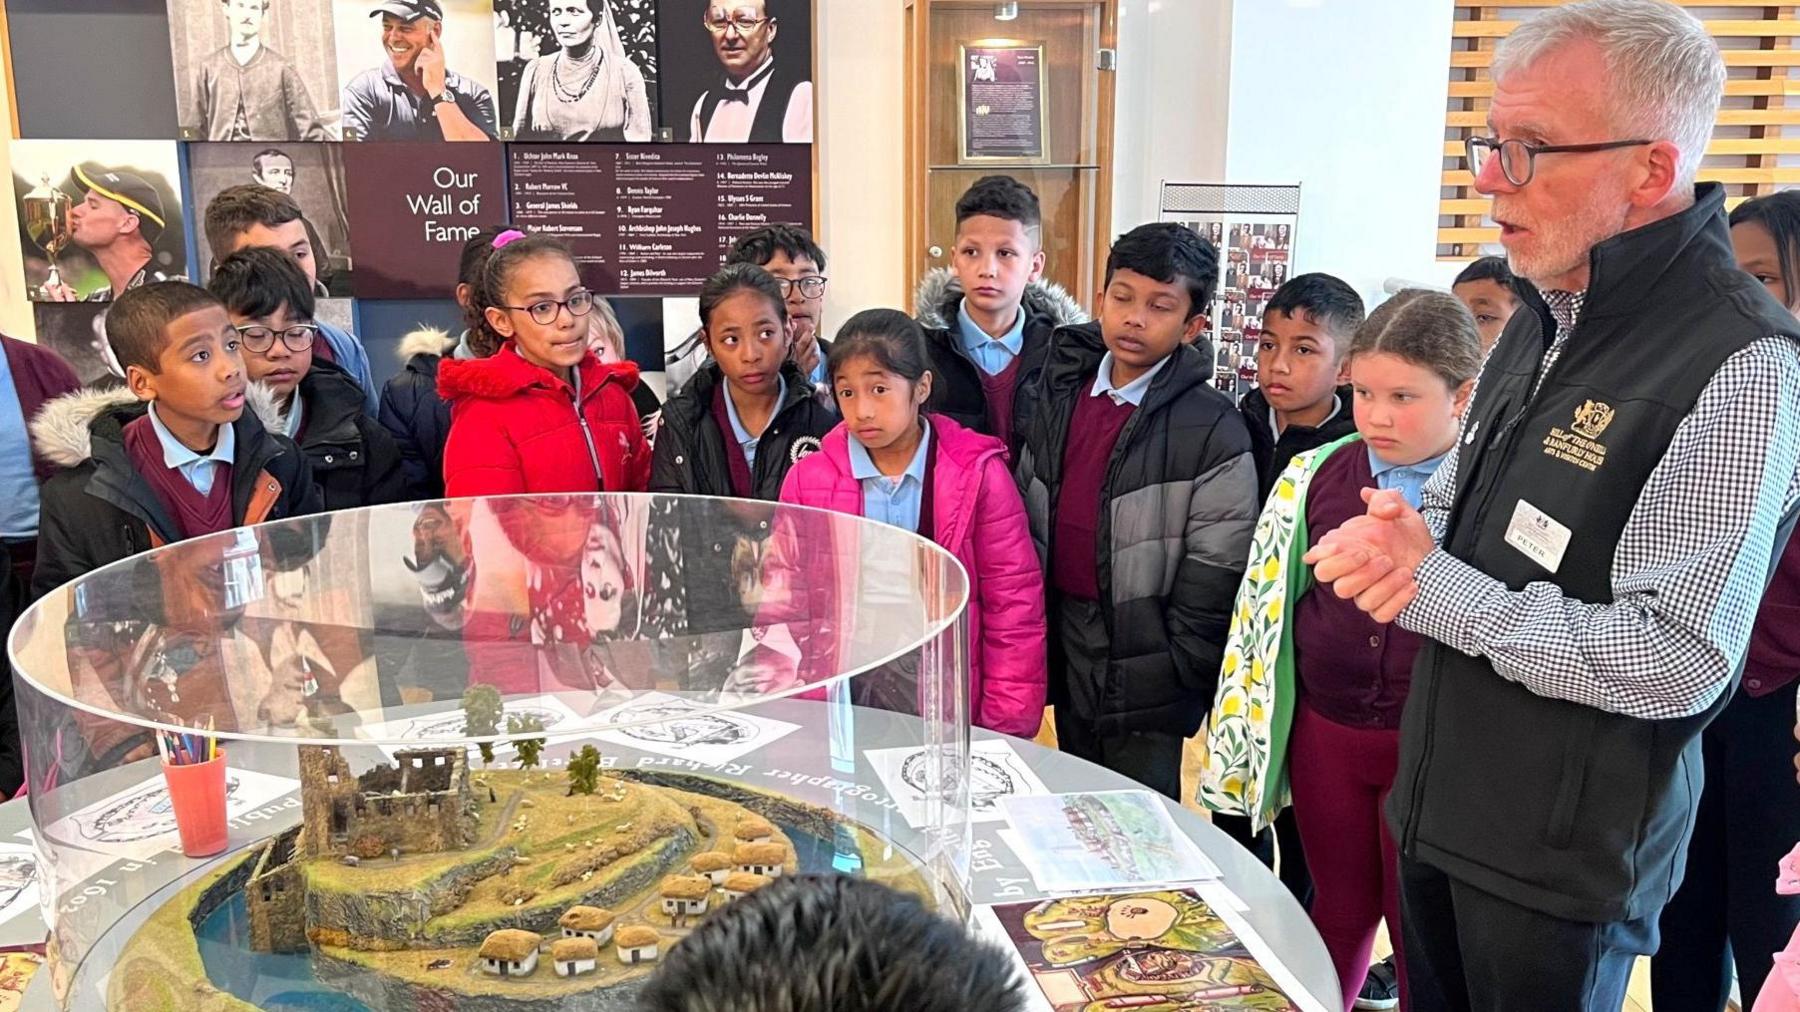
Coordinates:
column 802, row 448
column 1582, row 446
column 1592, row 418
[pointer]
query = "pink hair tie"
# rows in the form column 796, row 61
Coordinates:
column 511, row 235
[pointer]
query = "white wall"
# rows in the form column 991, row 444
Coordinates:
column 16, row 318
column 1174, row 57
column 1347, row 98
column 861, row 74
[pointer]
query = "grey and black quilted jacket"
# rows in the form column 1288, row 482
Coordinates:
column 1180, row 505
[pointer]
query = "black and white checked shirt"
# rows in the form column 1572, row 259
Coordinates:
column 1689, row 570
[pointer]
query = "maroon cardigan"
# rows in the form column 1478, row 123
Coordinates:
column 1353, row 670
column 1774, row 660
column 39, row 375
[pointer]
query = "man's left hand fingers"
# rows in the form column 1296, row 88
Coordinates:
column 1373, row 599
column 1396, row 604
column 1365, row 576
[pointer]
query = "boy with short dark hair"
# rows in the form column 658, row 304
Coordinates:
column 790, row 255
column 1141, row 492
column 1298, row 404
column 832, row 943
column 354, row 460
column 988, row 318
column 1487, row 286
column 253, row 215
column 172, row 456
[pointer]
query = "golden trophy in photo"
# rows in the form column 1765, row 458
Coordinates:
column 46, row 210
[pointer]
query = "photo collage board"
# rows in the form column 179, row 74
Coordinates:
column 648, row 135
column 1253, row 229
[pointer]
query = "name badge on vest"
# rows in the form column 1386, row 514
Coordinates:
column 1541, row 538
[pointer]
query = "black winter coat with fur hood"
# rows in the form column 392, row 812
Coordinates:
column 98, row 509
column 956, row 388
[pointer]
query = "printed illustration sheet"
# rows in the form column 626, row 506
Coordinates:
column 996, row 770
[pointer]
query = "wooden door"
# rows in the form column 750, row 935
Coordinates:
column 1073, row 174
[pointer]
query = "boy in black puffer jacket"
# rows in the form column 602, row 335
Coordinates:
column 354, row 460
column 988, row 319
column 1141, row 491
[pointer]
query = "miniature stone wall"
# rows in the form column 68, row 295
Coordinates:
column 391, row 919
column 325, row 786
column 275, row 897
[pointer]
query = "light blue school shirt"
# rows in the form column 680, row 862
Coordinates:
column 199, row 469
column 991, row 354
column 896, row 500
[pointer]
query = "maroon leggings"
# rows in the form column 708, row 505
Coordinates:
column 1340, row 778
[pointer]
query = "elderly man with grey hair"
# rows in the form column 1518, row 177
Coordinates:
column 1587, row 563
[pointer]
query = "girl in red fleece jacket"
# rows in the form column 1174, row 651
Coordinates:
column 542, row 414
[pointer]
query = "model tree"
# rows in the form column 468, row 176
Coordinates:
column 584, row 771
column 481, row 716
column 528, row 748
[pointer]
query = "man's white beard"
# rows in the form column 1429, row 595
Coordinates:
column 1569, row 252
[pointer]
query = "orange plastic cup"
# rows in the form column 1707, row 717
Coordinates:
column 197, row 793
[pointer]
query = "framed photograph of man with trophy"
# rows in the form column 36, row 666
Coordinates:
column 97, row 218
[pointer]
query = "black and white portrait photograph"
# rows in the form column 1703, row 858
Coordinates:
column 312, row 174
column 737, row 71
column 78, row 334
column 255, row 70
column 576, row 70
column 97, row 218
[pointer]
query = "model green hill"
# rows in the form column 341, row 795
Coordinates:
column 538, row 851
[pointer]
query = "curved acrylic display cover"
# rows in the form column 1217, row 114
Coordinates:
column 406, row 697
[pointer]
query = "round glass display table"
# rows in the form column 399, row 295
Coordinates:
column 388, row 758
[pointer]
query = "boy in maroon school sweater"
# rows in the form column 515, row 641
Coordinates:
column 172, row 456
column 1141, row 492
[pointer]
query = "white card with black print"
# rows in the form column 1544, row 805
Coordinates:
column 682, row 729
column 996, row 770
column 18, row 880
column 1538, row 535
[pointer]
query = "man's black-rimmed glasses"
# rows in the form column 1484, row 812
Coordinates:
column 1518, row 159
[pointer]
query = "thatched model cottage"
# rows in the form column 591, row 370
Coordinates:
column 741, row 884
column 760, row 858
column 572, row 957
column 587, row 922
column 714, row 865
column 685, row 896
column 753, row 830
column 636, row 943
column 510, row 952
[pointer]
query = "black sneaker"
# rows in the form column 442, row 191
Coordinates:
column 1381, row 988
